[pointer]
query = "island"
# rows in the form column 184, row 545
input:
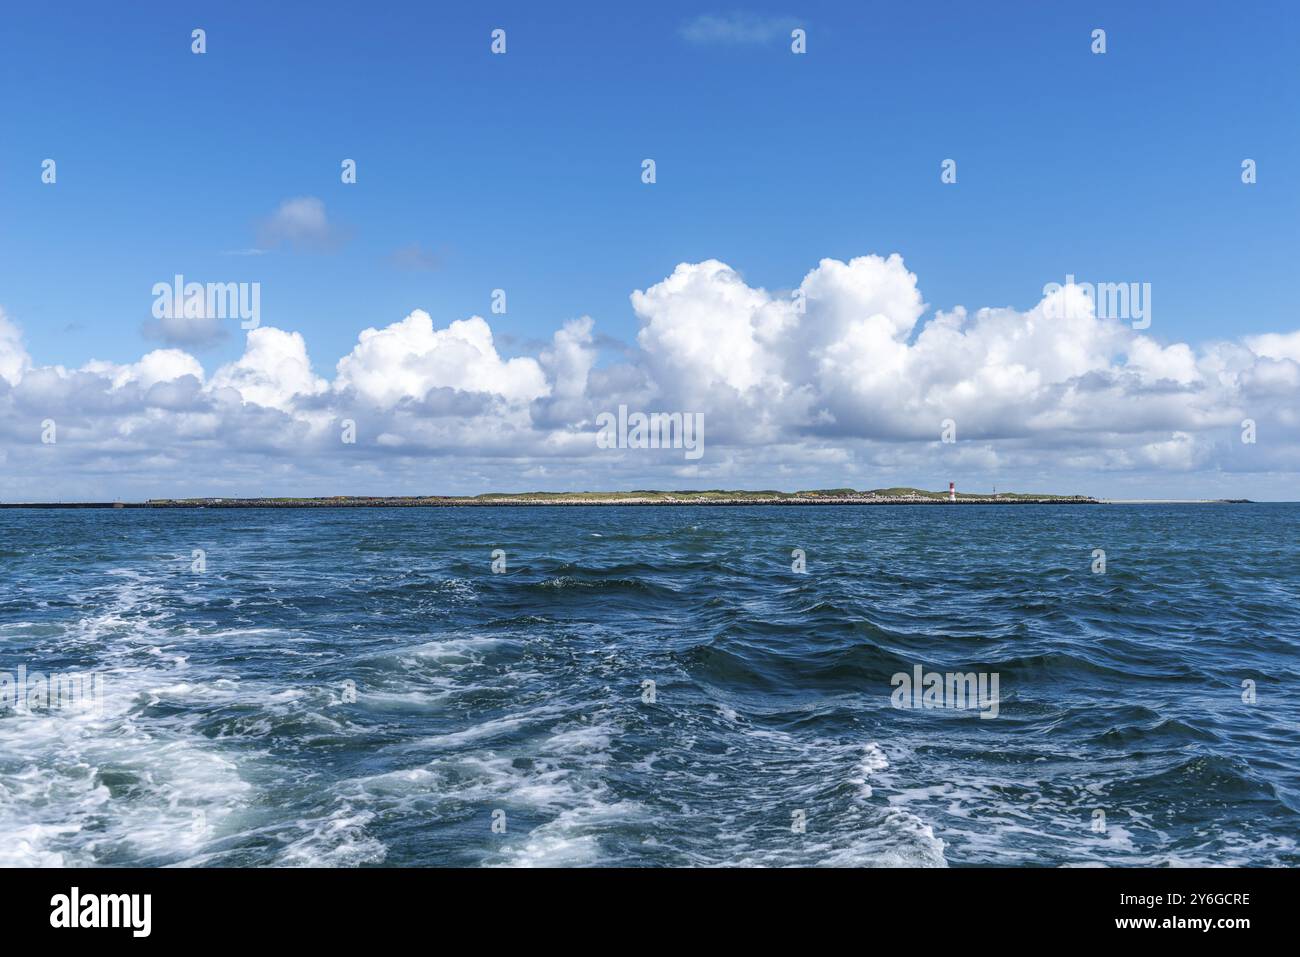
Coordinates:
column 825, row 496
column 834, row 496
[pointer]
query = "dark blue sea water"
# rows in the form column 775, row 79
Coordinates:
column 227, row 737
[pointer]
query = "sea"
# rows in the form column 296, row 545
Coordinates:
column 678, row 686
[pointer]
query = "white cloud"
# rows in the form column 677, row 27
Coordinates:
column 161, row 365
column 849, row 389
column 567, row 364
column 273, row 371
column 13, row 357
column 409, row 358
column 570, row 359
column 1275, row 346
column 855, row 363
column 704, row 330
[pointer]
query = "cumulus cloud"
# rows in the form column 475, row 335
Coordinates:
column 161, row 365
column 839, row 380
column 13, row 357
column 273, row 371
column 843, row 356
column 1276, row 346
column 408, row 358
column 567, row 364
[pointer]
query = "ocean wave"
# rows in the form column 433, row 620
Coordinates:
column 358, row 689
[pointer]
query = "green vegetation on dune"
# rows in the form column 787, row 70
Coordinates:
column 899, row 491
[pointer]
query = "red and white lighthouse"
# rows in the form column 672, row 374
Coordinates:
column 952, row 491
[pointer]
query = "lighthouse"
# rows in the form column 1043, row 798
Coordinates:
column 952, row 491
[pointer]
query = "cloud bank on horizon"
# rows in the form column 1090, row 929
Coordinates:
column 836, row 382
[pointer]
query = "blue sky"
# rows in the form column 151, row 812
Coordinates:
column 522, row 171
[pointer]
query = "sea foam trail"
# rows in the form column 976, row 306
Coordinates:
column 654, row 687
column 116, row 785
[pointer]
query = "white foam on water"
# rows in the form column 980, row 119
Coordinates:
column 338, row 839
column 572, row 838
column 580, row 751
column 779, row 799
column 900, row 839
column 983, row 823
column 557, row 772
column 398, row 702
column 454, row 650
column 487, row 730
column 728, row 712
column 591, row 739
column 28, row 845
column 457, row 589
column 80, row 787
column 873, row 761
